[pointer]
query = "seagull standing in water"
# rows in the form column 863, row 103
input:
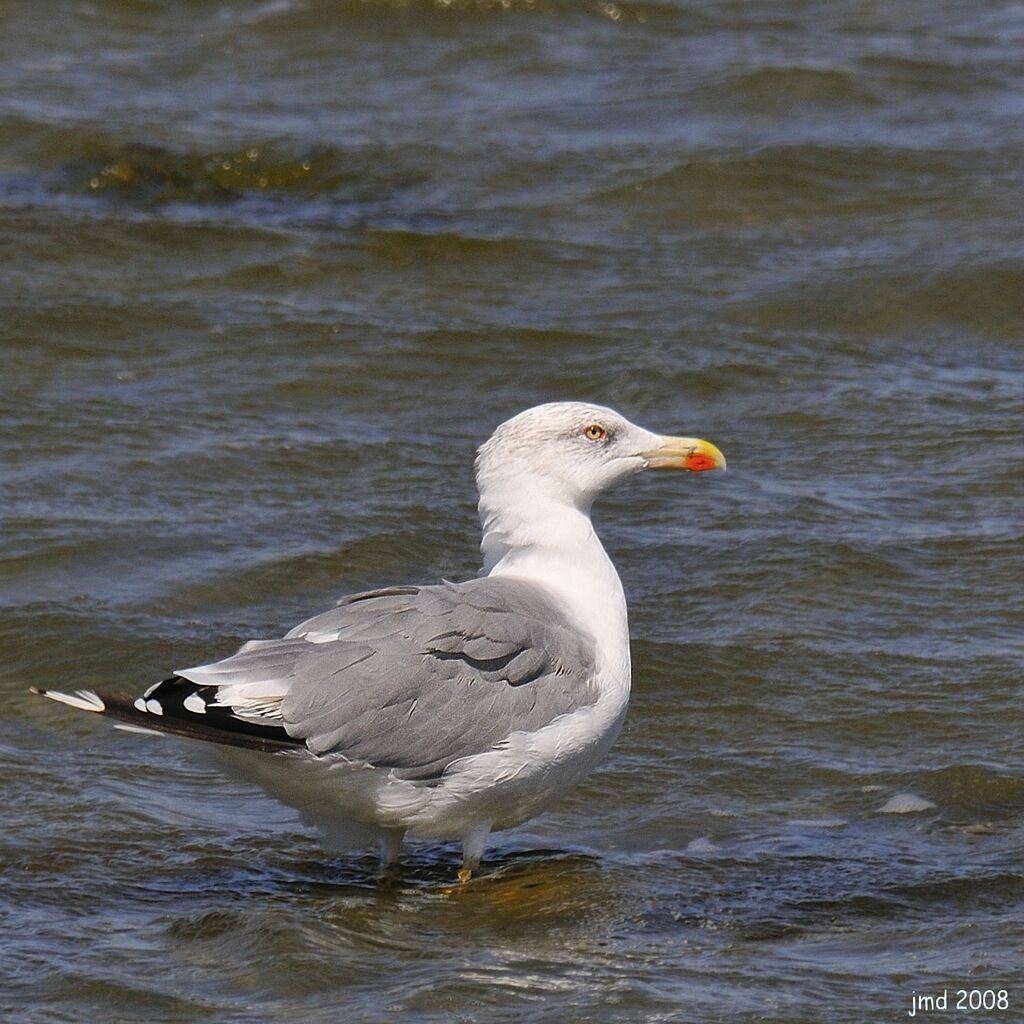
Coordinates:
column 448, row 710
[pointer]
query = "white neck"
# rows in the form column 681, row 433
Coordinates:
column 530, row 534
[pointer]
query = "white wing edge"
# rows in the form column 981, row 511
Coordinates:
column 84, row 700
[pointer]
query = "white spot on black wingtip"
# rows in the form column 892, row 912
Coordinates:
column 149, row 691
column 148, row 707
column 194, row 703
column 84, row 700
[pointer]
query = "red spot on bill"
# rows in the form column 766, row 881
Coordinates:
column 697, row 462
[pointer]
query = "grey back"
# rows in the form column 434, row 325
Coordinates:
column 414, row 678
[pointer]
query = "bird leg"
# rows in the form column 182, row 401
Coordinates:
column 390, row 846
column 473, row 843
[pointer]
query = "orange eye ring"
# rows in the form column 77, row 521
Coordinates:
column 594, row 432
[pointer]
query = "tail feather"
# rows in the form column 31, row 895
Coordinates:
column 176, row 707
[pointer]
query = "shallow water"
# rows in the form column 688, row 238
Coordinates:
column 272, row 270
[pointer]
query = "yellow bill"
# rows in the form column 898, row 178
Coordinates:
column 684, row 453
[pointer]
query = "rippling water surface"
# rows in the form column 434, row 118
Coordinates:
column 271, row 270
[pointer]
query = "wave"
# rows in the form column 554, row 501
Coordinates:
column 747, row 186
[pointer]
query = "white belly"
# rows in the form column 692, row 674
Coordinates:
column 502, row 787
column 522, row 776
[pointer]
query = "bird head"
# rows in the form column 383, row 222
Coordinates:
column 573, row 451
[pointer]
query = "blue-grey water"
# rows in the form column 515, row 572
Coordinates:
column 270, row 271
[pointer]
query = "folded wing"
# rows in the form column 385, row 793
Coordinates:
column 406, row 678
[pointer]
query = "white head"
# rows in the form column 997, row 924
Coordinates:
column 570, row 452
column 539, row 472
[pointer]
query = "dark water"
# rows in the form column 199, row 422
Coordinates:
column 271, row 270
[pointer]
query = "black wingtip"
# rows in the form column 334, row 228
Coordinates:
column 174, row 718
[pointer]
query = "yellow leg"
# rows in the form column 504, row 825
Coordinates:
column 473, row 843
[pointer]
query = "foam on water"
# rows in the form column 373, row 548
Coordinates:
column 905, row 803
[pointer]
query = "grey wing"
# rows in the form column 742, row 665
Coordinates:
column 414, row 678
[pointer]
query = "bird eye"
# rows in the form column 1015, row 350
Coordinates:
column 595, row 432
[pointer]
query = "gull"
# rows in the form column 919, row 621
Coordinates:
column 444, row 711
